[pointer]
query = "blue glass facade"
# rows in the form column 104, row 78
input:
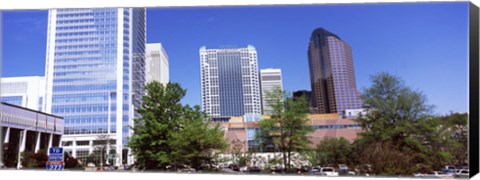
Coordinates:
column 15, row 100
column 85, row 64
column 230, row 84
column 98, row 69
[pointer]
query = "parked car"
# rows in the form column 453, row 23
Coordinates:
column 305, row 169
column 186, row 169
column 462, row 173
column 234, row 167
column 243, row 169
column 342, row 170
column 450, row 170
column 328, row 171
column 277, row 169
column 254, row 169
column 436, row 174
column 315, row 170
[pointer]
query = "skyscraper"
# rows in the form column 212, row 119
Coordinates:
column 27, row 91
column 332, row 74
column 229, row 79
column 156, row 64
column 95, row 74
column 269, row 79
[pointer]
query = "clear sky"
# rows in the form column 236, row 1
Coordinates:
column 426, row 44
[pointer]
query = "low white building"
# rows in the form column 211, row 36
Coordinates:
column 24, row 129
column 26, row 91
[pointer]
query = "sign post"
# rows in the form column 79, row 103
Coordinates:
column 55, row 159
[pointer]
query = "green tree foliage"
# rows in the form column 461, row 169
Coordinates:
column 456, row 124
column 9, row 154
column 70, row 162
column 401, row 137
column 169, row 134
column 197, row 140
column 287, row 125
column 238, row 157
column 34, row 160
column 101, row 144
column 160, row 111
column 333, row 151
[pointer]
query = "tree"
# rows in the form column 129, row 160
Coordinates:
column 287, row 125
column 333, row 151
column 9, row 154
column 457, row 126
column 160, row 113
column 169, row 134
column 31, row 159
column 400, row 136
column 264, row 142
column 196, row 142
column 70, row 162
column 100, row 145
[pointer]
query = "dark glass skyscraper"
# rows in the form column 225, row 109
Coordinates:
column 332, row 74
column 230, row 84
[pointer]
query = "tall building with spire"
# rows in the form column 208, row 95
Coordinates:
column 332, row 74
column 95, row 75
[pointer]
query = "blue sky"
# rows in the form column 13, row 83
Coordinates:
column 426, row 44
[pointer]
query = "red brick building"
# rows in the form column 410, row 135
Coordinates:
column 238, row 131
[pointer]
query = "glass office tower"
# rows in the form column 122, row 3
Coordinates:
column 332, row 73
column 95, row 75
column 230, row 84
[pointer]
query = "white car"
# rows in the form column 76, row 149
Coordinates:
column 328, row 171
column 436, row 174
column 244, row 169
column 462, row 173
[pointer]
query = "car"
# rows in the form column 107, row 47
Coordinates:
column 234, row 167
column 315, row 170
column 462, row 173
column 351, row 173
column 187, row 170
column 254, row 169
column 450, row 170
column 342, row 169
column 276, row 169
column 436, row 174
column 244, row 169
column 328, row 171
column 304, row 169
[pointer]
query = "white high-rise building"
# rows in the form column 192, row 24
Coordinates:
column 269, row 78
column 229, row 78
column 27, row 91
column 156, row 64
column 95, row 75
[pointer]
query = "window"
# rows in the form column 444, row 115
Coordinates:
column 83, row 143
